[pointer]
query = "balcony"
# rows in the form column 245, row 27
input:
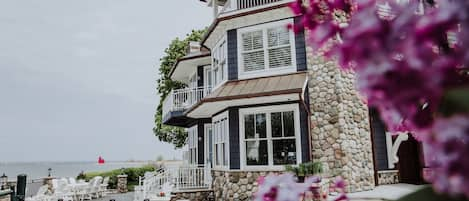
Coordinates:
column 233, row 5
column 178, row 101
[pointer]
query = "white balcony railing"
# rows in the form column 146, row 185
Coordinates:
column 182, row 99
column 232, row 5
column 173, row 179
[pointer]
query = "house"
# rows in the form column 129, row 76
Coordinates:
column 258, row 98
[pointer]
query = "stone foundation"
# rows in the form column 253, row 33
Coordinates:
column 235, row 185
column 388, row 177
column 4, row 196
column 340, row 131
column 196, row 195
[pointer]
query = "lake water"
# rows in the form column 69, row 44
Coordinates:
column 38, row 170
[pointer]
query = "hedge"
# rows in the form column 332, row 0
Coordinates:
column 132, row 175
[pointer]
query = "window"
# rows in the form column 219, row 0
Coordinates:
column 270, row 136
column 207, row 76
column 266, row 49
column 192, row 143
column 220, row 141
column 219, row 63
column 193, row 81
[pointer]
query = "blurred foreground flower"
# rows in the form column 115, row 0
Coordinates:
column 406, row 58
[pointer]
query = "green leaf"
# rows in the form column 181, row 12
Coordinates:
column 455, row 101
column 427, row 194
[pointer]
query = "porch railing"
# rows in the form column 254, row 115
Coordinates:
column 232, row 5
column 187, row 178
column 179, row 179
column 182, row 99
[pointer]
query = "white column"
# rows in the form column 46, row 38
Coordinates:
column 215, row 8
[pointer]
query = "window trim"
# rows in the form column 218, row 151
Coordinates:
column 225, row 73
column 219, row 117
column 193, row 139
column 267, row 71
column 208, row 80
column 267, row 110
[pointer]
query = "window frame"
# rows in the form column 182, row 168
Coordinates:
column 268, row 110
column 267, row 71
column 224, row 128
column 193, row 144
column 219, row 77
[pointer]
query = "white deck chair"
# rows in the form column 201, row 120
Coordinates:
column 41, row 194
column 103, row 187
column 63, row 190
column 85, row 192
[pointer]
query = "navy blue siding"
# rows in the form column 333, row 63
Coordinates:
column 232, row 42
column 305, row 150
column 379, row 139
column 300, row 47
column 200, row 143
column 200, row 76
column 233, row 116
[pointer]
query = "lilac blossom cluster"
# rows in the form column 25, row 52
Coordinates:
column 406, row 58
column 284, row 187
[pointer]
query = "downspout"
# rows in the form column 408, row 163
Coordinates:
column 309, row 113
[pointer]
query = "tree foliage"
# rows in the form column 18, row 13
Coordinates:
column 176, row 50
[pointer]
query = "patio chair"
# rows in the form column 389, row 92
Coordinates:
column 84, row 192
column 103, row 187
column 41, row 195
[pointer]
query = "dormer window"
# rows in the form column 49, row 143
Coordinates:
column 266, row 49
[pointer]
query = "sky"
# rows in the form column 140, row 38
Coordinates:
column 78, row 77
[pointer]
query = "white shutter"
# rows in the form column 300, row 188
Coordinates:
column 253, row 47
column 279, row 47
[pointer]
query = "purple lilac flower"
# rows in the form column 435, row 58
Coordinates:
column 449, row 142
column 404, row 65
column 282, row 188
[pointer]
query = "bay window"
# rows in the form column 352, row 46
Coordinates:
column 220, row 140
column 266, row 49
column 270, row 136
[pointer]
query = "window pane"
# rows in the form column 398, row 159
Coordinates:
column 280, row 57
column 225, row 159
column 256, row 153
column 261, row 131
column 252, row 40
column 278, row 36
column 276, row 124
column 249, row 126
column 253, row 61
column 289, row 124
column 284, row 152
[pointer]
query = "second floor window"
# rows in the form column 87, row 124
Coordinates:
column 266, row 49
column 219, row 63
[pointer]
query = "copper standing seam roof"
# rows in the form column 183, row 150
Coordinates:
column 257, row 87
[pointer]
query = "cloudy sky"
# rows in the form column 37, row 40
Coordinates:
column 77, row 77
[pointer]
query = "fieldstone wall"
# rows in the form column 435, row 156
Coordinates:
column 199, row 195
column 235, row 185
column 340, row 131
column 5, row 198
column 388, row 177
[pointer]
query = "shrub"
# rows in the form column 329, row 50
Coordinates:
column 132, row 175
